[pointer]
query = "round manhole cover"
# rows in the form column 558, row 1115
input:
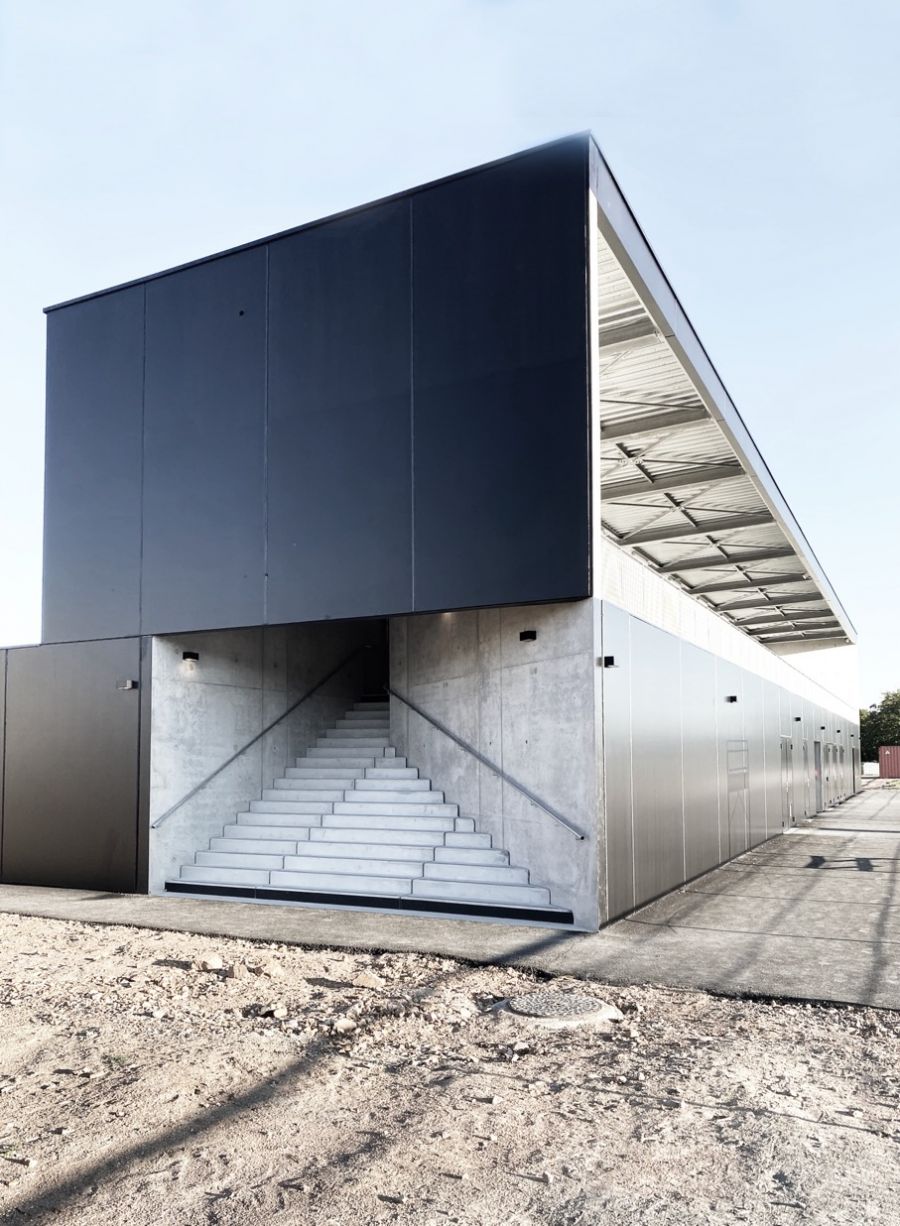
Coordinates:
column 556, row 1004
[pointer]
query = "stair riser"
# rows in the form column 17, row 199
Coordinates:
column 477, row 873
column 291, row 806
column 382, row 809
column 394, row 782
column 260, row 846
column 279, row 819
column 459, row 891
column 343, row 883
column 362, row 866
column 313, row 851
column 370, row 834
column 239, row 859
column 254, row 830
column 301, row 795
column 362, row 796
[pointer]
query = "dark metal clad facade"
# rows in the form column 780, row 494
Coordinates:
column 3, row 656
column 71, row 776
column 92, row 501
column 698, row 765
column 204, row 447
column 382, row 413
column 339, row 420
column 500, row 383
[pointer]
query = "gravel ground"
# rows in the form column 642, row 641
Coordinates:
column 168, row 1078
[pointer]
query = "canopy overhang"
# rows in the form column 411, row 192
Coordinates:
column 682, row 483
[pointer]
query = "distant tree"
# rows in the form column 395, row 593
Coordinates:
column 880, row 725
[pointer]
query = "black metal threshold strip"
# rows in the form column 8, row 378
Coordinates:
column 487, row 910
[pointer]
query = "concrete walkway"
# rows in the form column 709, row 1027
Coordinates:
column 813, row 914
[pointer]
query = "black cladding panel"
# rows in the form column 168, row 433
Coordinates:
column 500, row 420
column 3, row 655
column 71, row 777
column 204, row 437
column 339, row 534
column 92, row 500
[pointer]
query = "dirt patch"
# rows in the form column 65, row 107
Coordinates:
column 164, row 1078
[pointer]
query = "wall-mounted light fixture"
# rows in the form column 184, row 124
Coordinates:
column 798, row 719
column 194, row 656
column 607, row 661
column 821, row 727
column 527, row 636
column 731, row 697
column 190, row 661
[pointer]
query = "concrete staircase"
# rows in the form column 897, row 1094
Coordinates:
column 354, row 824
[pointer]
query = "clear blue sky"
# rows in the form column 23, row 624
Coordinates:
column 757, row 141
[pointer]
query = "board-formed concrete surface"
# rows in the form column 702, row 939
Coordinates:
column 813, row 914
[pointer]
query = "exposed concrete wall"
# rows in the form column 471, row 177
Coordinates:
column 529, row 707
column 204, row 713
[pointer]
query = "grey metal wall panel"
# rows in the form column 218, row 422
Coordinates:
column 755, row 734
column 204, row 433
column 92, row 489
column 339, row 443
column 500, row 445
column 699, row 760
column 656, row 773
column 617, row 762
column 71, row 785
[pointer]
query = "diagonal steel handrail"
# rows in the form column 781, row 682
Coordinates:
column 268, row 728
column 492, row 766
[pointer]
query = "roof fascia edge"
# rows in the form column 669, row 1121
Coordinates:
column 624, row 235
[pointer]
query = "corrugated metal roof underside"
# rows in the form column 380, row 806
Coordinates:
column 675, row 492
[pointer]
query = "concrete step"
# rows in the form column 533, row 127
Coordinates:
column 477, row 873
column 391, row 821
column 367, row 796
column 291, row 806
column 408, row 836
column 392, row 772
column 356, row 735
column 261, row 830
column 325, row 770
column 358, row 755
column 380, row 715
column 467, row 891
column 384, row 809
column 468, row 838
column 224, row 876
column 251, row 846
column 395, row 782
column 471, row 855
column 267, row 818
column 352, row 864
column 239, row 859
column 369, row 722
column 326, row 748
column 326, row 782
column 372, row 706
column 281, row 795
column 340, row 883
column 363, row 850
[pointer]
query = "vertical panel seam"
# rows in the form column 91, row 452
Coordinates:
column 140, row 625
column 4, row 670
column 266, row 440
column 412, row 413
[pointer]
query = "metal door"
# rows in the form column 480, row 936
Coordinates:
column 817, row 763
column 70, row 815
column 738, row 795
column 787, row 782
column 806, row 796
